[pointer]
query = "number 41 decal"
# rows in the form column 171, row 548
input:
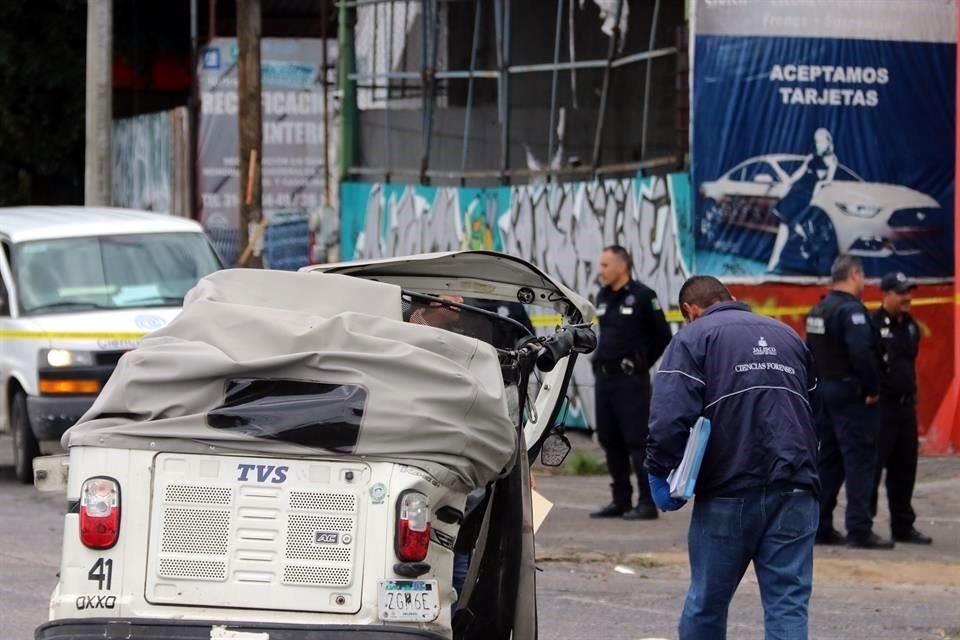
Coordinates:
column 100, row 572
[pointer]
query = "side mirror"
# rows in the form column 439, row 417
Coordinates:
column 763, row 178
column 555, row 450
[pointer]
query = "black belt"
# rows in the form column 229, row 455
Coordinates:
column 625, row 366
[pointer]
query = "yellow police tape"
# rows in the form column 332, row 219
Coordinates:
column 71, row 335
column 674, row 315
column 541, row 320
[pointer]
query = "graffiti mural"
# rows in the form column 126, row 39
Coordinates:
column 561, row 228
column 150, row 162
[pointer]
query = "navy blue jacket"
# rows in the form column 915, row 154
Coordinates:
column 752, row 377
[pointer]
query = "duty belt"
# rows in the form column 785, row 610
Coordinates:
column 625, row 366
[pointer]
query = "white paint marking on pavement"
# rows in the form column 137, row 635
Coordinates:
column 222, row 633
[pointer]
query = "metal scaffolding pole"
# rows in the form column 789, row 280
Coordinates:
column 503, row 51
column 501, row 68
column 646, row 87
column 496, row 74
column 193, row 204
column 348, row 91
column 605, row 91
column 386, row 99
column 431, row 27
column 477, row 13
column 326, row 107
column 553, row 85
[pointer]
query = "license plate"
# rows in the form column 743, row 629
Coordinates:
column 409, row 601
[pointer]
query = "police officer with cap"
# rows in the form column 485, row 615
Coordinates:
column 633, row 334
column 897, row 445
column 844, row 345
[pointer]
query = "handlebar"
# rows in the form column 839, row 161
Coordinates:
column 568, row 340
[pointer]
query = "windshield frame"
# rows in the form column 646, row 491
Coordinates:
column 15, row 261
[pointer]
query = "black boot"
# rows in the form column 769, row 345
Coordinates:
column 643, row 511
column 912, row 537
column 830, row 537
column 612, row 510
column 869, row 541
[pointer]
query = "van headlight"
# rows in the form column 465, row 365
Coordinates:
column 62, row 358
column 858, row 210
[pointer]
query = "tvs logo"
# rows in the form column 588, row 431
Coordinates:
column 763, row 349
column 264, row 473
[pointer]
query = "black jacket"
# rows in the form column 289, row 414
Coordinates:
column 899, row 346
column 632, row 324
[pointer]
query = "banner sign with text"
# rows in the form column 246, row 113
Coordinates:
column 823, row 127
column 292, row 107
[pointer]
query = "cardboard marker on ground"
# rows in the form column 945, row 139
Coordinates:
column 541, row 507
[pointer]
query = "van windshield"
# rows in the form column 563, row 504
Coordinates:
column 110, row 272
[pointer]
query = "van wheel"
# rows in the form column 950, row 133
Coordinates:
column 25, row 445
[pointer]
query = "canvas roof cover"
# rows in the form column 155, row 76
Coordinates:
column 292, row 364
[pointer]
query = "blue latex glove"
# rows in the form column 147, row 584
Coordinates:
column 660, row 489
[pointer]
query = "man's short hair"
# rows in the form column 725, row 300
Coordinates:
column 703, row 291
column 844, row 267
column 621, row 253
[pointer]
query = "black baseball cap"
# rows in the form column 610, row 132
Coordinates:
column 896, row 281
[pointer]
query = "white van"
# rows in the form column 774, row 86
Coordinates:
column 79, row 287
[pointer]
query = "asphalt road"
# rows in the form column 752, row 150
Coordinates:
column 604, row 580
column 31, row 527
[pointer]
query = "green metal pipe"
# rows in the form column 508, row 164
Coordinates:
column 348, row 92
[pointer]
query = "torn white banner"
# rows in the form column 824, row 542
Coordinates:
column 608, row 13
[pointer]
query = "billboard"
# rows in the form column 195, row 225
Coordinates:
column 822, row 127
column 293, row 142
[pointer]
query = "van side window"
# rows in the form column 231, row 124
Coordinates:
column 4, row 295
column 4, row 300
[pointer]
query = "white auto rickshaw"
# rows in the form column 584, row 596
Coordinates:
column 291, row 458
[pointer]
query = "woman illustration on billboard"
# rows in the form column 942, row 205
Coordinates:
column 805, row 241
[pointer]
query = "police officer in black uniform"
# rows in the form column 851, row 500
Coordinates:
column 898, row 446
column 633, row 334
column 844, row 344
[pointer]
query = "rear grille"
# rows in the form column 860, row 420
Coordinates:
column 193, row 569
column 311, row 501
column 335, row 551
column 219, row 541
column 302, row 543
column 196, row 531
column 316, row 576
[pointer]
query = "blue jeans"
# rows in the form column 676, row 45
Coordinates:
column 774, row 527
column 461, row 564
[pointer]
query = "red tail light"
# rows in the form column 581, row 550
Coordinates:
column 99, row 513
column 413, row 526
